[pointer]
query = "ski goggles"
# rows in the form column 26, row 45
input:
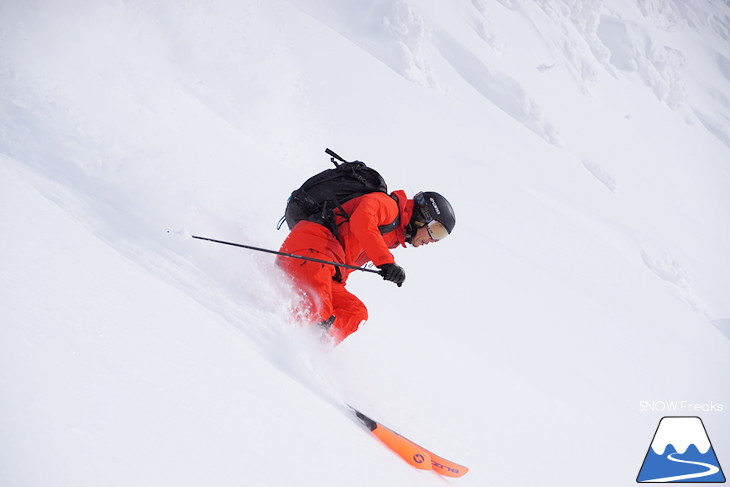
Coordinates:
column 436, row 230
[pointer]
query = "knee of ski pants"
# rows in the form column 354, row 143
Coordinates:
column 349, row 312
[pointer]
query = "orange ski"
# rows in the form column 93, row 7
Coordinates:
column 411, row 452
column 446, row 467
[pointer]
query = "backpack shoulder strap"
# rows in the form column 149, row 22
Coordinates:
column 394, row 224
column 390, row 226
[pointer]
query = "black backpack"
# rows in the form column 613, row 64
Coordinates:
column 321, row 197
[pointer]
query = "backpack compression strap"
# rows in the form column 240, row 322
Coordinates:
column 334, row 156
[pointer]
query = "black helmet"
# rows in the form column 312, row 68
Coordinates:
column 429, row 207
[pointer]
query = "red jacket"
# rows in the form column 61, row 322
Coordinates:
column 360, row 236
column 359, row 239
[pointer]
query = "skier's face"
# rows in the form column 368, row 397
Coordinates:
column 421, row 237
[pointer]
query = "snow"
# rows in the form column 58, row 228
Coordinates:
column 681, row 433
column 583, row 145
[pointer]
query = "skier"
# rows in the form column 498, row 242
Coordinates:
column 377, row 222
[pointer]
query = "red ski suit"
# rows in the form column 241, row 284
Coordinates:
column 359, row 240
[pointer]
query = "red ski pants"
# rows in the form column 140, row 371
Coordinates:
column 322, row 296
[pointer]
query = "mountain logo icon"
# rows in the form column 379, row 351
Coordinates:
column 680, row 452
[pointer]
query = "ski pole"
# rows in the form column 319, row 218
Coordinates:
column 286, row 254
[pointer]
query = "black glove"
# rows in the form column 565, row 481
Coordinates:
column 393, row 273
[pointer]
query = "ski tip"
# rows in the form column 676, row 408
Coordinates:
column 447, row 468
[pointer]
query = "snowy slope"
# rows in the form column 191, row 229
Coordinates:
column 584, row 146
